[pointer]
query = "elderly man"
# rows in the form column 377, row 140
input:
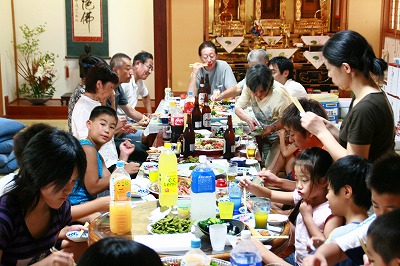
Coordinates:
column 257, row 56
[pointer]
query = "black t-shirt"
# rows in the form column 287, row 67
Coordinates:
column 370, row 122
column 120, row 98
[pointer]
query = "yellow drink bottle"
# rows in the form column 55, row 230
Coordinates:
column 120, row 200
column 168, row 177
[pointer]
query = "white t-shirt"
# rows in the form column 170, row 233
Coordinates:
column 80, row 115
column 133, row 91
column 296, row 89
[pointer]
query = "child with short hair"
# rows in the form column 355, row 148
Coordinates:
column 101, row 127
column 383, row 246
column 348, row 195
column 384, row 183
column 314, row 217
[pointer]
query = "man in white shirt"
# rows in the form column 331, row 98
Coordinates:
column 283, row 71
column 142, row 67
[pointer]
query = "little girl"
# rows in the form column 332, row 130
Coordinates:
column 314, row 217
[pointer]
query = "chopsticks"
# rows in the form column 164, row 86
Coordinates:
column 54, row 250
column 204, row 64
column 295, row 101
column 81, row 232
column 269, row 237
column 363, row 246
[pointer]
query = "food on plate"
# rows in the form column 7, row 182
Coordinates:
column 233, row 227
column 264, row 233
column 198, row 135
column 190, row 159
column 183, row 186
column 152, row 151
column 172, row 225
column 209, row 144
column 205, row 224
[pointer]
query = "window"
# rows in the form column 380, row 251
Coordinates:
column 391, row 18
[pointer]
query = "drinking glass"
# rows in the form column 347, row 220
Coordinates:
column 232, row 172
column 235, row 195
column 218, row 234
column 251, row 149
column 261, row 208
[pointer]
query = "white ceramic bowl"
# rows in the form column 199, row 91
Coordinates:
column 73, row 236
column 277, row 219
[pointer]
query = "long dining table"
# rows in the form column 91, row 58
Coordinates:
column 100, row 228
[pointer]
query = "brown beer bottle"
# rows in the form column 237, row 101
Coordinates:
column 196, row 114
column 206, row 114
column 229, row 140
column 188, row 138
column 207, row 85
column 202, row 91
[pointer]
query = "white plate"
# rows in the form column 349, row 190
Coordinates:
column 276, row 219
column 149, row 228
column 184, row 169
column 73, row 236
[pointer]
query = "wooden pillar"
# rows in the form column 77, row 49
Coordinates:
column 161, row 23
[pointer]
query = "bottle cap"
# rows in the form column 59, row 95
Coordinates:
column 120, row 164
column 195, row 243
column 221, row 182
column 167, row 145
column 202, row 159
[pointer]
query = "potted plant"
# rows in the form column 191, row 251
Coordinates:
column 36, row 68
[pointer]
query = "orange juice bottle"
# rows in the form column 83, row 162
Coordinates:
column 120, row 200
column 168, row 177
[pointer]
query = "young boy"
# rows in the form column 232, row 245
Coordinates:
column 298, row 137
column 101, row 127
column 383, row 246
column 385, row 190
column 348, row 195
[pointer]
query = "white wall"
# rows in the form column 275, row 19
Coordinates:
column 130, row 31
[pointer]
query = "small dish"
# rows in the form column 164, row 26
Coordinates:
column 277, row 219
column 234, row 227
column 73, row 236
column 239, row 160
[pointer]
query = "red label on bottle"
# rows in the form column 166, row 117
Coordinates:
column 177, row 121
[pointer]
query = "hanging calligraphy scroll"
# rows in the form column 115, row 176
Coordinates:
column 87, row 23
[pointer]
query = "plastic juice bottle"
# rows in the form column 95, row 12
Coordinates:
column 245, row 252
column 203, row 200
column 168, row 177
column 189, row 103
column 195, row 256
column 120, row 200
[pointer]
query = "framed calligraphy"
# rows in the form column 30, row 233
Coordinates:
column 87, row 23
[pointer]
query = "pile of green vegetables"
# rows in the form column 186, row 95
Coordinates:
column 172, row 225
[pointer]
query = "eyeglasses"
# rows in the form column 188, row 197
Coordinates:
column 206, row 56
column 150, row 68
